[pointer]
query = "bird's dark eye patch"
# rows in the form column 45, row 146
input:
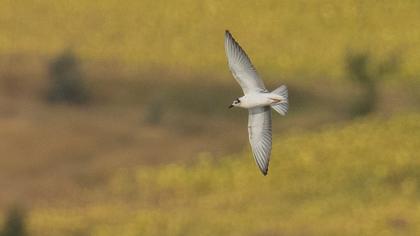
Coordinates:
column 237, row 100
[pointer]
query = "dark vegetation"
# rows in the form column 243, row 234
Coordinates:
column 364, row 70
column 67, row 80
column 14, row 224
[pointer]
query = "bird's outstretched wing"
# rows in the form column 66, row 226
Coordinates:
column 259, row 129
column 241, row 67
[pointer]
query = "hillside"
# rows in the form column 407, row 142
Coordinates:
column 114, row 119
column 360, row 179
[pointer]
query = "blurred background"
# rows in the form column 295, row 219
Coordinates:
column 114, row 119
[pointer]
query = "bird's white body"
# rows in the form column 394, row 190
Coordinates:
column 262, row 99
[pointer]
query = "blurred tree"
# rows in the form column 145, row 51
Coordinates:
column 365, row 72
column 67, row 80
column 15, row 223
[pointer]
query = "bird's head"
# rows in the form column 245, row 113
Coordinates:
column 235, row 103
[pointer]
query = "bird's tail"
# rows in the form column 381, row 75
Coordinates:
column 283, row 106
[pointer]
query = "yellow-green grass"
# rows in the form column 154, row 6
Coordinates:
column 360, row 179
column 283, row 37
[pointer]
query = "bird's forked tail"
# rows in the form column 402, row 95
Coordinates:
column 283, row 106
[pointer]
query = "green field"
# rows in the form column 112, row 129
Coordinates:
column 360, row 179
column 285, row 38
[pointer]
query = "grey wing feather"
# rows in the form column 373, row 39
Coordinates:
column 241, row 67
column 259, row 129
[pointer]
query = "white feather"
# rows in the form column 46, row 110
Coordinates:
column 241, row 67
column 259, row 130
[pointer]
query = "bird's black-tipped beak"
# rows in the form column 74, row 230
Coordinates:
column 230, row 106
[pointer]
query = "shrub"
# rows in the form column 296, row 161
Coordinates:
column 67, row 80
column 15, row 223
column 367, row 73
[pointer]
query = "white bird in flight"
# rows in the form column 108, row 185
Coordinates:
column 257, row 99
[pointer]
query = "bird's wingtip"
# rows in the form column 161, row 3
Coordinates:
column 264, row 172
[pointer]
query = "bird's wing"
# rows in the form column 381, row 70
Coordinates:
column 241, row 67
column 259, row 129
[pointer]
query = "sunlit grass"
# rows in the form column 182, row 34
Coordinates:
column 361, row 179
column 283, row 37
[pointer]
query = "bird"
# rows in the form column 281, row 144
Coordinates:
column 257, row 99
